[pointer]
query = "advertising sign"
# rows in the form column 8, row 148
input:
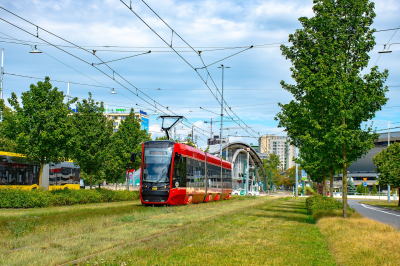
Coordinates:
column 145, row 124
column 143, row 112
column 303, row 175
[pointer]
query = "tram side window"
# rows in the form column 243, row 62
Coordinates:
column 179, row 174
column 189, row 171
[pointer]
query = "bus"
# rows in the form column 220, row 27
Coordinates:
column 17, row 172
column 176, row 174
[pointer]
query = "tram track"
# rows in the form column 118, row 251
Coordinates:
column 76, row 261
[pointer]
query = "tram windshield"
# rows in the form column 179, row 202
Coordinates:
column 157, row 164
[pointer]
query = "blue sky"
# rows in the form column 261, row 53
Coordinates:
column 251, row 85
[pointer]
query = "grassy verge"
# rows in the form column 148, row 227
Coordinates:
column 50, row 236
column 361, row 241
column 384, row 203
column 38, row 198
column 276, row 232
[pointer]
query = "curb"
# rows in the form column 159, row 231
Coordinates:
column 381, row 207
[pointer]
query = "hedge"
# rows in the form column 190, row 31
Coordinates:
column 309, row 191
column 18, row 198
column 322, row 203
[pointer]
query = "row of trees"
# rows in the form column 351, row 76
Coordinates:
column 44, row 129
column 331, row 96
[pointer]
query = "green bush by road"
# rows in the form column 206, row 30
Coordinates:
column 18, row 198
column 321, row 203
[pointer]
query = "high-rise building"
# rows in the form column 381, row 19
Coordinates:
column 280, row 146
column 121, row 114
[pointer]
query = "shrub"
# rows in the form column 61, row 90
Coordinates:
column 18, row 198
column 321, row 203
column 309, row 191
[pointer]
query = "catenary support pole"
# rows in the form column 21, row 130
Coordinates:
column 388, row 147
column 1, row 80
column 270, row 181
column 297, row 177
column 304, row 188
column 68, row 92
column 247, row 174
column 244, row 173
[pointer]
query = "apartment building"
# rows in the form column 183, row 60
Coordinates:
column 120, row 114
column 279, row 145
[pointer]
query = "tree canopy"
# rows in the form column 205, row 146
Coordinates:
column 388, row 166
column 91, row 138
column 331, row 96
column 39, row 128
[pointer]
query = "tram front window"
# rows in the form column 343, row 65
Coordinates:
column 157, row 165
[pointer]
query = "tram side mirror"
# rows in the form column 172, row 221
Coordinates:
column 133, row 157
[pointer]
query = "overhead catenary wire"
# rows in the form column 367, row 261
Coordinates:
column 208, row 74
column 82, row 60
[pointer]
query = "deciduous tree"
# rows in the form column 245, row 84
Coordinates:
column 91, row 137
column 388, row 166
column 332, row 98
column 39, row 127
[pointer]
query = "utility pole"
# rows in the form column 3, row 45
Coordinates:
column 270, row 181
column 175, row 133
column 192, row 135
column 1, row 80
column 222, row 116
column 388, row 147
column 68, row 92
column 297, row 176
column 247, row 173
column 244, row 173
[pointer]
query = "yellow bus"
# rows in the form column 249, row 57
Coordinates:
column 17, row 172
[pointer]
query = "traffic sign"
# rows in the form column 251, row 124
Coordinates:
column 365, row 179
column 248, row 149
column 365, row 184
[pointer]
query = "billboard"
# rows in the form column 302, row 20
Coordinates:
column 145, row 123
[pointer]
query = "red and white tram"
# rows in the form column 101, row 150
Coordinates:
column 175, row 174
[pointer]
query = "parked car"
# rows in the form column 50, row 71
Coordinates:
column 242, row 192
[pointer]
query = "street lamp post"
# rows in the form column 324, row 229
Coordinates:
column 222, row 117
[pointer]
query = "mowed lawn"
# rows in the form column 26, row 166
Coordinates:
column 275, row 232
column 241, row 231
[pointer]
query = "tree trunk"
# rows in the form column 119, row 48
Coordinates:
column 40, row 174
column 91, row 178
column 344, row 194
column 399, row 197
column 331, row 182
column 325, row 186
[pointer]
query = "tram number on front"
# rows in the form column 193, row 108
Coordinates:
column 154, row 188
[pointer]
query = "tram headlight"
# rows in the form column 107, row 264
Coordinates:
column 144, row 186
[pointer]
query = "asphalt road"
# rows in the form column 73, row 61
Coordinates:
column 379, row 214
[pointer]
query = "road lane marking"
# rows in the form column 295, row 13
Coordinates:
column 379, row 210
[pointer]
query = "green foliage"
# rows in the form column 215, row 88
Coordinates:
column 322, row 203
column 360, row 189
column 91, row 138
column 18, row 198
column 351, row 188
column 291, row 174
column 388, row 166
column 126, row 140
column 331, row 96
column 39, row 128
column 374, row 190
column 309, row 191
